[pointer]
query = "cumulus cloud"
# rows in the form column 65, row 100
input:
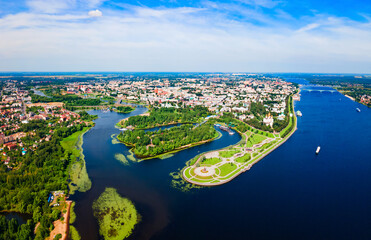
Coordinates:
column 95, row 13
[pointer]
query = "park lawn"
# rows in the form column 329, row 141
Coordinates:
column 116, row 215
column 288, row 126
column 211, row 161
column 227, row 168
column 243, row 158
column 255, row 139
column 187, row 173
column 228, row 153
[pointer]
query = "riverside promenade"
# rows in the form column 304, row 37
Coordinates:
column 222, row 166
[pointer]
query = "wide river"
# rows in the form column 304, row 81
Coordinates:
column 290, row 194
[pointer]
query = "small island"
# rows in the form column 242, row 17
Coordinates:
column 150, row 144
column 116, row 215
column 124, row 109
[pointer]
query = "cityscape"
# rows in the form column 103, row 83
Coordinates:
column 156, row 120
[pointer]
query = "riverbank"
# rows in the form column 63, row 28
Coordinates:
column 221, row 166
column 218, row 135
column 78, row 176
column 61, row 226
column 187, row 146
column 121, row 122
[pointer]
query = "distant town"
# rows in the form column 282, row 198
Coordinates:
column 44, row 117
column 259, row 100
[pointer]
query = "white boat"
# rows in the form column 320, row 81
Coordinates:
column 358, row 110
column 299, row 113
column 318, row 149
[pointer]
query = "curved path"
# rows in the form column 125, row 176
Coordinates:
column 256, row 153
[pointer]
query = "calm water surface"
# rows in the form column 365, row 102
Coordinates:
column 291, row 194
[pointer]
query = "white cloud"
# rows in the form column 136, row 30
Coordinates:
column 49, row 6
column 95, row 13
column 309, row 27
column 145, row 39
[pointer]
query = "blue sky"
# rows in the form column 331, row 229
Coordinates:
column 223, row 36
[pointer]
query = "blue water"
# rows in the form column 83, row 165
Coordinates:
column 290, row 194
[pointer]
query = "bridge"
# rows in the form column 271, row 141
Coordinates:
column 318, row 90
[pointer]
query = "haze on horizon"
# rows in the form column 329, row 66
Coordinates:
column 322, row 36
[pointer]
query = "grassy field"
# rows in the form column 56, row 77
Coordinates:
column 288, row 126
column 78, row 175
column 255, row 139
column 116, row 215
column 211, row 161
column 244, row 158
column 228, row 153
column 227, row 168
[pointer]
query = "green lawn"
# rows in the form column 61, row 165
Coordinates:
column 288, row 126
column 244, row 158
column 116, row 215
column 227, row 168
column 211, row 161
column 228, row 153
column 187, row 173
column 255, row 139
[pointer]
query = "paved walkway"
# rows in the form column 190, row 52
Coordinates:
column 217, row 179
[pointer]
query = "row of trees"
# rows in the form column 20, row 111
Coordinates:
column 68, row 99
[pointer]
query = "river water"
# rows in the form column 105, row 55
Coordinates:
column 290, row 194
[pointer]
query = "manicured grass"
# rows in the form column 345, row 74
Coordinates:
column 202, row 180
column 288, row 126
column 211, row 161
column 255, row 139
column 116, row 215
column 187, row 173
column 244, row 158
column 227, row 168
column 228, row 153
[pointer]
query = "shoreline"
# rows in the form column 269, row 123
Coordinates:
column 351, row 98
column 247, row 166
column 80, row 160
column 175, row 150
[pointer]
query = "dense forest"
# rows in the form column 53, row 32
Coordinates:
column 124, row 109
column 163, row 116
column 149, row 144
column 68, row 99
column 25, row 189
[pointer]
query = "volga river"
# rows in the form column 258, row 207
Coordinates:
column 291, row 194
